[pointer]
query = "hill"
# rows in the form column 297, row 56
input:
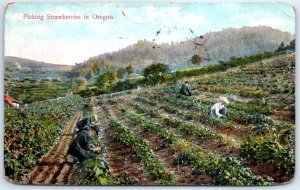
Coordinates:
column 16, row 63
column 214, row 46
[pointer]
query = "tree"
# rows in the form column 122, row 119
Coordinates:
column 156, row 73
column 92, row 66
column 78, row 85
column 281, row 47
column 81, row 85
column 121, row 72
column 96, row 68
column 89, row 76
column 222, row 62
column 107, row 79
column 196, row 59
column 291, row 46
column 130, row 69
column 155, row 70
column 82, row 72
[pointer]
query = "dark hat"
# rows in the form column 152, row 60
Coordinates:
column 83, row 123
column 96, row 128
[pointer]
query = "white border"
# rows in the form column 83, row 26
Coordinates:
column 293, row 185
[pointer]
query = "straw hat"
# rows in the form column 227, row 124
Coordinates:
column 224, row 100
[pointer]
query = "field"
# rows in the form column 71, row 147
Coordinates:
column 36, row 89
column 154, row 136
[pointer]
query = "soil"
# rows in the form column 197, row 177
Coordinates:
column 56, row 167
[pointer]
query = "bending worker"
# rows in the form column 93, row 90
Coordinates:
column 82, row 147
column 219, row 110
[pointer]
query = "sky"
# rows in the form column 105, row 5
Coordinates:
column 73, row 41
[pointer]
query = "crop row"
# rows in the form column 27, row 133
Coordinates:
column 266, row 154
column 280, row 84
column 258, row 123
column 226, row 171
column 186, row 128
column 30, row 133
column 203, row 106
column 245, row 92
column 270, row 154
column 200, row 116
column 154, row 168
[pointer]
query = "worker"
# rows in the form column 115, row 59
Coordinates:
column 219, row 110
column 11, row 101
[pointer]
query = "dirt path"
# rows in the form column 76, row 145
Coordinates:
column 56, row 167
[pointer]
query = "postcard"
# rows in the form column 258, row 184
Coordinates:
column 144, row 94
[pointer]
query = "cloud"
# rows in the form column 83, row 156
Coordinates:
column 193, row 19
column 278, row 23
column 54, row 50
column 278, row 18
column 150, row 13
column 274, row 22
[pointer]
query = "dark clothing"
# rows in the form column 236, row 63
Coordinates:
column 80, row 147
column 85, row 122
column 184, row 90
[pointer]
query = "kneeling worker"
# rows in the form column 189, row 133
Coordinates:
column 185, row 90
column 82, row 147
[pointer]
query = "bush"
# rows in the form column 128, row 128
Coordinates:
column 106, row 80
column 233, row 62
column 128, row 84
column 129, row 69
column 156, row 73
column 196, row 59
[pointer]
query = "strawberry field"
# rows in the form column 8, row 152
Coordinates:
column 154, row 136
column 31, row 132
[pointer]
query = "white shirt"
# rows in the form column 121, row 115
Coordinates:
column 217, row 107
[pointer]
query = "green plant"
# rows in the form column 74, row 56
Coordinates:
column 196, row 59
column 30, row 133
column 269, row 151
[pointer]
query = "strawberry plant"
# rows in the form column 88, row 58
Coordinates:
column 153, row 166
column 266, row 152
column 30, row 133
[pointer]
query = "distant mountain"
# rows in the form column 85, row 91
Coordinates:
column 17, row 63
column 214, row 46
